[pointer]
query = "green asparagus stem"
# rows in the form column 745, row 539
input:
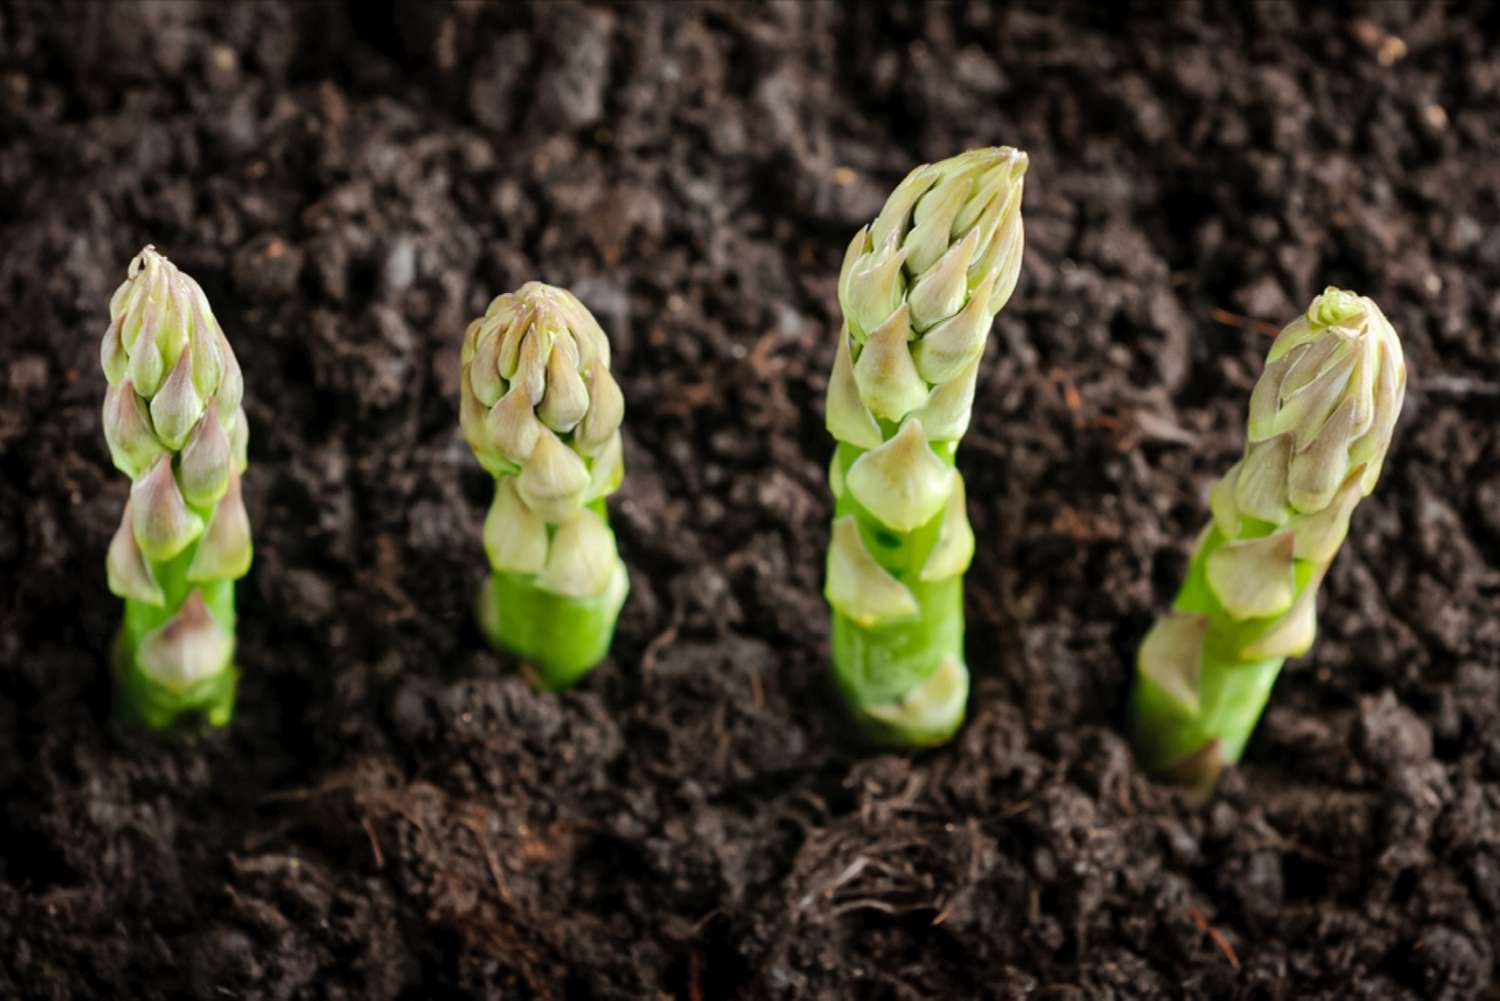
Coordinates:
column 919, row 289
column 542, row 413
column 174, row 425
column 1321, row 419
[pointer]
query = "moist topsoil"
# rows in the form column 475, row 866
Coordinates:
column 395, row 814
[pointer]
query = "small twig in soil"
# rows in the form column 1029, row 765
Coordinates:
column 1242, row 322
column 259, row 910
column 659, row 642
column 364, row 821
column 553, row 842
column 895, row 804
column 702, row 922
column 761, row 363
column 475, row 824
column 695, row 974
column 1071, row 398
column 872, row 904
column 1213, row 933
column 852, row 870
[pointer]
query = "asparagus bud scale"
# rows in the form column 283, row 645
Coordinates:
column 173, row 422
column 1321, row 419
column 919, row 289
column 542, row 414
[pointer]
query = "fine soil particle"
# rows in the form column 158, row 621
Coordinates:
column 395, row 815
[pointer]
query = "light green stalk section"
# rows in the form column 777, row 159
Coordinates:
column 878, row 665
column 542, row 413
column 1321, row 420
column 919, row 288
column 174, row 424
column 143, row 697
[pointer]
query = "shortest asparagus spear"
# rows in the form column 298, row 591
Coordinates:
column 542, row 413
column 174, row 425
column 1321, row 419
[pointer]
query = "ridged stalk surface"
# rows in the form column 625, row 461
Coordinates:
column 919, row 289
column 1321, row 419
column 174, row 424
column 542, row 413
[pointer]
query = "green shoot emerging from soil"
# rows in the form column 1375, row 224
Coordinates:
column 1321, row 419
column 542, row 413
column 919, row 288
column 174, row 425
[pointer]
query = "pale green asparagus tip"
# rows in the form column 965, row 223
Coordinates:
column 920, row 287
column 1327, row 402
column 164, row 346
column 542, row 413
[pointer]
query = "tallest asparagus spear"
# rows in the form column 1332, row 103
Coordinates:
column 1321, row 418
column 919, row 289
column 174, row 425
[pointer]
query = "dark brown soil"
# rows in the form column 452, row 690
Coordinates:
column 395, row 815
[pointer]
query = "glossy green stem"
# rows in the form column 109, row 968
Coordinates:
column 562, row 638
column 1232, row 697
column 1232, row 692
column 874, row 665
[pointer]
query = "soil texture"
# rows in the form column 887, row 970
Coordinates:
column 395, row 814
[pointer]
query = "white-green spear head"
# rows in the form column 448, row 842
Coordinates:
column 1321, row 420
column 537, row 396
column 920, row 287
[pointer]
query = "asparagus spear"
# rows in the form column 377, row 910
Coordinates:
column 1321, row 419
column 174, row 425
column 542, row 413
column 919, row 289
